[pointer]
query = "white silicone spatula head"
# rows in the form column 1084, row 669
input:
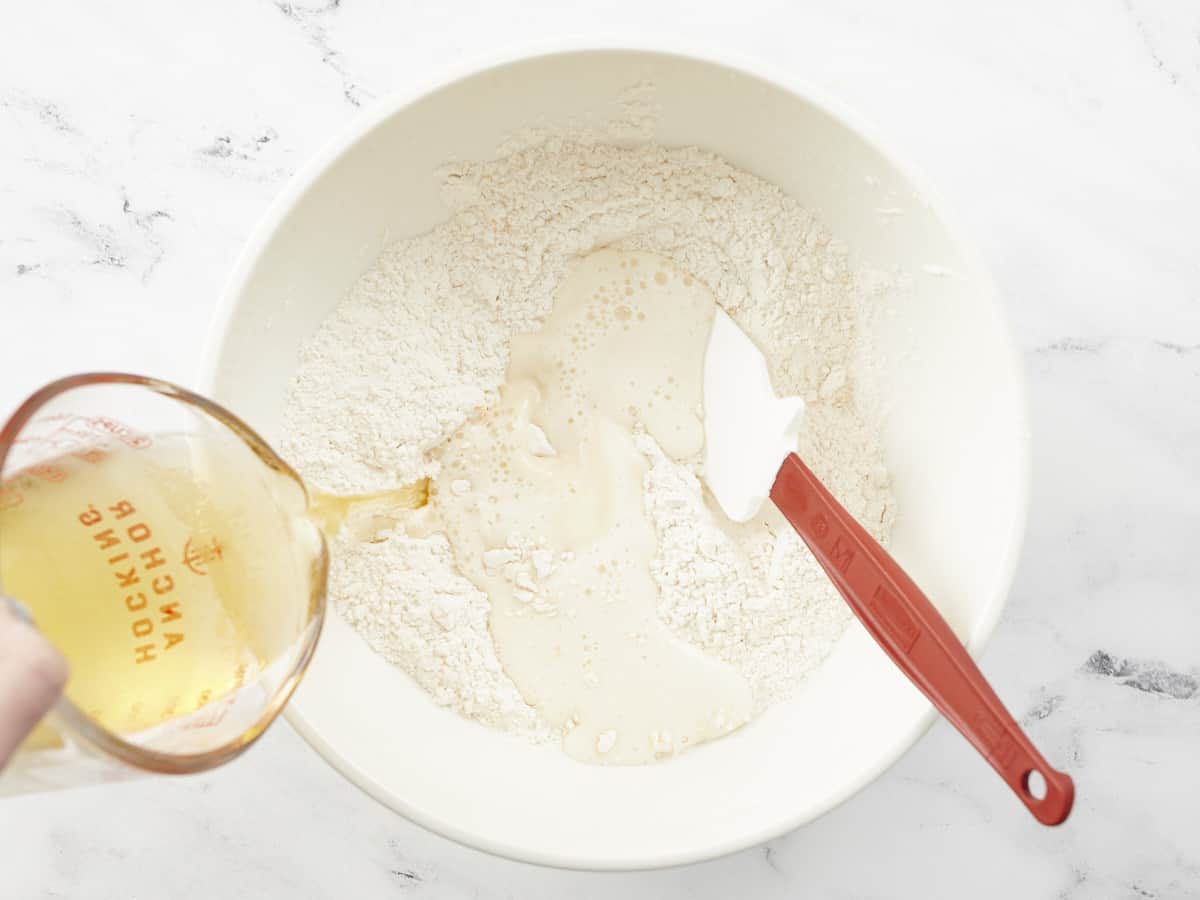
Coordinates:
column 748, row 431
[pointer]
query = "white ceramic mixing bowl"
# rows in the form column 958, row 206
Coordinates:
column 955, row 440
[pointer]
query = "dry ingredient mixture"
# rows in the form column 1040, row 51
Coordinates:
column 421, row 346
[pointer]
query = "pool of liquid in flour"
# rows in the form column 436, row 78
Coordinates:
column 541, row 499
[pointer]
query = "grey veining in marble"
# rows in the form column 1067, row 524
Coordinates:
column 139, row 141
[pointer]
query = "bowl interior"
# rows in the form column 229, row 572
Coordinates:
column 955, row 441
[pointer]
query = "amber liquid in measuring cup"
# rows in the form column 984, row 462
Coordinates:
column 171, row 558
column 188, row 558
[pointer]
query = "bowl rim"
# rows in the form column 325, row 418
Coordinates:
column 306, row 175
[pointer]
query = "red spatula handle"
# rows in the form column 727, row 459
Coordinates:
column 916, row 637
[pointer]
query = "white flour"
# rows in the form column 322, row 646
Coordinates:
column 751, row 595
column 422, row 341
column 405, row 596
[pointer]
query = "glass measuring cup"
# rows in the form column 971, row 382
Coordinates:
column 164, row 549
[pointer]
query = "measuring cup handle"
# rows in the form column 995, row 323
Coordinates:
column 912, row 632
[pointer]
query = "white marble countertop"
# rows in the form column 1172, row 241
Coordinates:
column 139, row 142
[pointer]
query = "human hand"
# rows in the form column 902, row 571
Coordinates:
column 32, row 675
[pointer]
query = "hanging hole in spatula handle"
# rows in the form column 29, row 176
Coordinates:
column 914, row 634
column 1046, row 792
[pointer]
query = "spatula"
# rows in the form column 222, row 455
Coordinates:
column 750, row 437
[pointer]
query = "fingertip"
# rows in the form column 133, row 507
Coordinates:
column 47, row 665
column 30, row 650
